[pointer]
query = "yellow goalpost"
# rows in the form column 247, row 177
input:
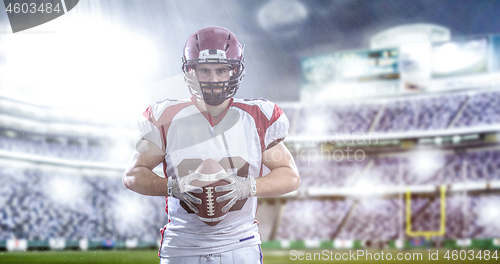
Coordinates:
column 426, row 234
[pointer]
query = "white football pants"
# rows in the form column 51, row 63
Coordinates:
column 246, row 255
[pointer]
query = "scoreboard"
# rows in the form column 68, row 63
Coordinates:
column 422, row 67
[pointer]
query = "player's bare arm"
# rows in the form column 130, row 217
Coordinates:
column 284, row 176
column 139, row 176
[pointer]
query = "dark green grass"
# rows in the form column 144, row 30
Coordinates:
column 150, row 256
column 98, row 256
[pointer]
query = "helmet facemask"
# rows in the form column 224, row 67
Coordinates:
column 208, row 91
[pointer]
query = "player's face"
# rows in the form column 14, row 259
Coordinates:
column 213, row 73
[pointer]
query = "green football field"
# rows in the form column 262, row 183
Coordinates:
column 270, row 256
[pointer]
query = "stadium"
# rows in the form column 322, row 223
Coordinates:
column 394, row 126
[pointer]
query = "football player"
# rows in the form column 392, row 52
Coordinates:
column 243, row 136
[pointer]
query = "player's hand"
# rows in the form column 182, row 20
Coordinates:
column 182, row 189
column 239, row 187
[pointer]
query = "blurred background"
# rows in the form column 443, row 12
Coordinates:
column 394, row 109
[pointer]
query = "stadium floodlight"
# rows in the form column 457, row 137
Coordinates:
column 426, row 164
column 409, row 34
column 120, row 150
column 317, row 125
column 75, row 61
column 129, row 210
column 369, row 185
column 454, row 57
column 489, row 213
column 68, row 190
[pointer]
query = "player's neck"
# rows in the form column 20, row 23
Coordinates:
column 213, row 110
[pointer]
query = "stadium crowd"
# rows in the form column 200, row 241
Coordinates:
column 475, row 165
column 39, row 204
column 395, row 115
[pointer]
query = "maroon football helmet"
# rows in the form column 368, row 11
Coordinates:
column 213, row 45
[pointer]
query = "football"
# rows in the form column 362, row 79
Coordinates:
column 210, row 212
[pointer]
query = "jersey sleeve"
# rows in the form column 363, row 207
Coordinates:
column 148, row 129
column 277, row 128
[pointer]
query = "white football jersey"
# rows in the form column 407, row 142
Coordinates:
column 236, row 139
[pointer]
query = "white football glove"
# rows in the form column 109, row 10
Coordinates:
column 182, row 189
column 239, row 187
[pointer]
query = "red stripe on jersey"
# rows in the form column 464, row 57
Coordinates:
column 213, row 121
column 164, row 137
column 277, row 112
column 261, row 121
column 161, row 241
column 164, row 121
